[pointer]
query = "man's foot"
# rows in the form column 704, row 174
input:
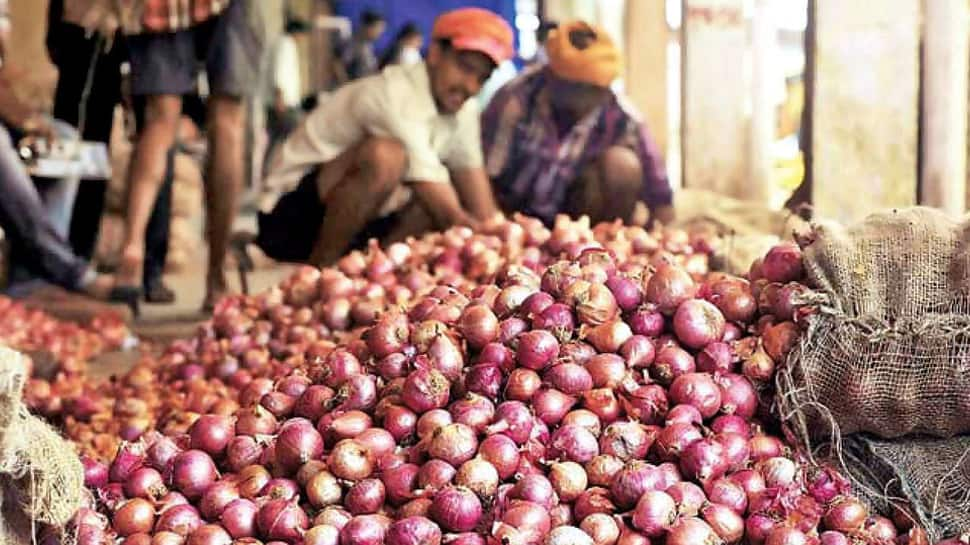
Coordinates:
column 105, row 287
column 130, row 265
column 215, row 289
column 157, row 292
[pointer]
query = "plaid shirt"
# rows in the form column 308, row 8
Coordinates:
column 532, row 166
column 159, row 16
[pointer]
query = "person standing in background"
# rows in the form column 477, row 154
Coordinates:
column 406, row 48
column 166, row 40
column 558, row 139
column 358, row 59
column 286, row 90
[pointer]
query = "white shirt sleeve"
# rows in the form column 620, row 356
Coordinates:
column 466, row 151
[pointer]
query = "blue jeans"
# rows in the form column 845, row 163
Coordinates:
column 37, row 246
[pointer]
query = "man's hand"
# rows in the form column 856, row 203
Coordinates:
column 95, row 16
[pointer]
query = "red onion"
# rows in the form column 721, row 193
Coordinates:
column 388, row 335
column 161, row 453
column 568, row 535
column 846, row 515
column 309, row 470
column 536, row 489
column 446, row 357
column 833, row 538
column 456, row 509
column 764, row 447
column 825, row 484
column 133, row 539
column 751, row 481
column 655, row 513
column 626, row 292
column 192, row 472
column 726, row 523
column 551, row 406
column 297, row 443
column 350, row 461
column 425, row 389
column 609, row 336
column 584, row 418
column 602, row 469
column 322, row 535
column 647, row 322
column 699, row 390
column 632, row 481
column 145, row 482
column 498, row 354
column 280, row 488
column 365, row 497
column 783, row 535
column 602, row 528
column 668, row 287
column 783, row 263
column 334, row 516
column 478, row 325
column 252, row 480
column 95, row 473
column 759, row 367
column 629, row 536
column 647, row 403
column 689, row 498
column 400, row 482
column 573, row 443
column 209, row 534
column 731, row 423
column 430, row 421
column 282, row 520
column 603, row 403
column 479, row 476
column 536, row 349
column 278, row 403
column 474, row 411
column 484, row 379
column 704, row 459
column 417, row 507
column 734, row 299
column 779, row 472
column 414, row 531
column 779, row 339
column 671, row 363
column 669, row 475
column 593, row 500
column 255, row 420
column 376, row 441
column 531, row 521
column 736, row 450
column 626, row 440
column 338, row 425
column 568, row 480
column 728, row 493
column 522, row 384
column 180, row 519
column 638, row 352
column 692, row 531
column 400, row 422
column 134, row 516
column 684, row 414
column 698, row 323
column 392, row 366
column 338, row 366
column 239, row 518
column 535, row 304
column 510, row 328
column 715, row 358
column 242, row 451
column 606, row 370
column 757, row 527
column 365, row 530
column 569, row 378
column 880, row 528
column 130, row 457
column 595, row 305
column 217, row 497
column 510, row 298
column 357, row 392
column 435, row 474
column 454, row 443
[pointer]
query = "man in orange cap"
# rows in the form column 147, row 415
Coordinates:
column 558, row 139
column 389, row 155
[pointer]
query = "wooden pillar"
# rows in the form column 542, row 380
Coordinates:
column 764, row 80
column 944, row 120
column 646, row 64
column 714, row 130
column 865, row 106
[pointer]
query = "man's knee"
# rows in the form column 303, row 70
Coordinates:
column 382, row 162
column 620, row 169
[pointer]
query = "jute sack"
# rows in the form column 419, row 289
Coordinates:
column 41, row 478
column 884, row 366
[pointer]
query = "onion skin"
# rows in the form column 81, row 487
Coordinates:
column 692, row 531
column 846, row 515
column 654, row 514
column 456, row 509
column 414, row 531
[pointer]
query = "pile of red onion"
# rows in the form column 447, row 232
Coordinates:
column 579, row 386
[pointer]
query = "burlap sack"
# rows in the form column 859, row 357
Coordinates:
column 41, row 478
column 887, row 356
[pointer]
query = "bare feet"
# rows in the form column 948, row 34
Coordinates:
column 130, row 266
column 215, row 289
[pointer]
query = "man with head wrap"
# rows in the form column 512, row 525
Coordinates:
column 558, row 139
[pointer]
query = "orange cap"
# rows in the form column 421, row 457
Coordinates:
column 476, row 29
column 598, row 64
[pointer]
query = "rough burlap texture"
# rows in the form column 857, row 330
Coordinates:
column 882, row 374
column 41, row 478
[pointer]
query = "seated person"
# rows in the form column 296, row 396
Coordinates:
column 389, row 155
column 558, row 139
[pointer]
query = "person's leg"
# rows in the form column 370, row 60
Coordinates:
column 224, row 180
column 608, row 188
column 232, row 52
column 156, row 238
column 162, row 70
column 377, row 167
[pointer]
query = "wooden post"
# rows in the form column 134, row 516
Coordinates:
column 646, row 64
column 764, row 43
column 714, row 130
column 865, row 107
column 944, row 120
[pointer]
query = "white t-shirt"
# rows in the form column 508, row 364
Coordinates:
column 395, row 103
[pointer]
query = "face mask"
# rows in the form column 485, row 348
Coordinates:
column 410, row 55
